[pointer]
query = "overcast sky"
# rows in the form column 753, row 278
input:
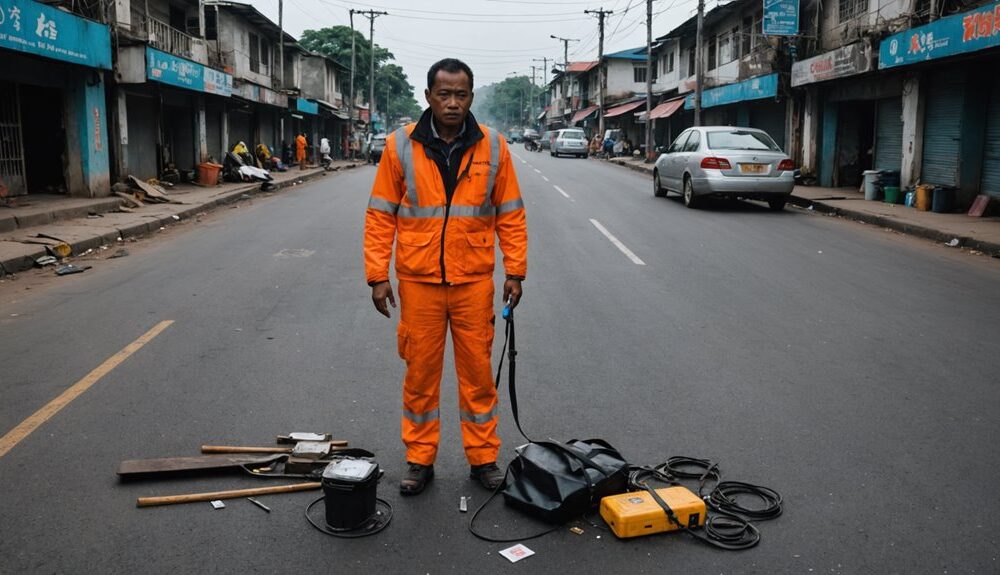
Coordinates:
column 495, row 37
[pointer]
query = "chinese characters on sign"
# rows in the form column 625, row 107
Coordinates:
column 966, row 32
column 55, row 34
column 781, row 17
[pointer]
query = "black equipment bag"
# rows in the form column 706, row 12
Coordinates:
column 556, row 481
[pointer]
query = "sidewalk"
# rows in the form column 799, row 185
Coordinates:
column 981, row 234
column 40, row 222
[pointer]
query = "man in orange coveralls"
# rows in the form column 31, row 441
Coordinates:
column 444, row 190
column 300, row 150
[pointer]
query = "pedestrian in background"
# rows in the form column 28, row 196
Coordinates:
column 300, row 150
column 445, row 189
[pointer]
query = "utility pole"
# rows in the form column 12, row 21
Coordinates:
column 281, row 59
column 699, row 68
column 601, row 14
column 350, row 110
column 532, row 99
column 649, row 79
column 371, row 15
column 545, row 79
column 565, row 81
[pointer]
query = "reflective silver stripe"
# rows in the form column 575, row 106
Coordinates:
column 494, row 137
column 472, row 211
column 421, row 212
column 419, row 418
column 510, row 206
column 404, row 149
column 383, row 205
column 480, row 417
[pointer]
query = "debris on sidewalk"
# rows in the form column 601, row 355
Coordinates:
column 60, row 249
column 45, row 261
column 121, row 253
column 953, row 243
column 69, row 269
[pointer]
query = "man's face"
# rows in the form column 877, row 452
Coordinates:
column 450, row 98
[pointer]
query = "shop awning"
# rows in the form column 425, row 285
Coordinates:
column 542, row 115
column 623, row 109
column 584, row 114
column 666, row 109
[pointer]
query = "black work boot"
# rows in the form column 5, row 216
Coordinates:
column 416, row 478
column 488, row 475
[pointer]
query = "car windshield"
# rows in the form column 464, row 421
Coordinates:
column 741, row 140
column 573, row 136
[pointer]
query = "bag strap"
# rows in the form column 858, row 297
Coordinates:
column 509, row 346
column 472, row 521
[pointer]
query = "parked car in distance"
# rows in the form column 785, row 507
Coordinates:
column 373, row 148
column 545, row 143
column 515, row 136
column 725, row 161
column 570, row 141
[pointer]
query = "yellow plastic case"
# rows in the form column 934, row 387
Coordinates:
column 637, row 513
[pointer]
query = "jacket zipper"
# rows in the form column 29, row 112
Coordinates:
column 447, row 207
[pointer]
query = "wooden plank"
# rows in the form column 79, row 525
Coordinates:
column 213, row 495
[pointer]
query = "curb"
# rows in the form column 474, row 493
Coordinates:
column 989, row 248
column 27, row 261
column 634, row 167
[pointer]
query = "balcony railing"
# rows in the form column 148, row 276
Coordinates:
column 161, row 35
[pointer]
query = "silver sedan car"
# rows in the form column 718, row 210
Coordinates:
column 725, row 161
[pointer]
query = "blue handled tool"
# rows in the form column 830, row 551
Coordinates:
column 507, row 309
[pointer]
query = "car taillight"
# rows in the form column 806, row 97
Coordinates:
column 785, row 165
column 711, row 163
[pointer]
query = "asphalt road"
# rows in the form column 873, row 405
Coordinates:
column 851, row 369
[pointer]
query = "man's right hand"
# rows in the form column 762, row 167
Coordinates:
column 381, row 292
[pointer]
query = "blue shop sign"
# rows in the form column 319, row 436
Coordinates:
column 170, row 69
column 34, row 28
column 306, row 107
column 752, row 89
column 966, row 32
column 781, row 17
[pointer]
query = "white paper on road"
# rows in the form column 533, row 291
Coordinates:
column 618, row 244
column 516, row 553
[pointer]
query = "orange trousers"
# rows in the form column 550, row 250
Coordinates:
column 427, row 311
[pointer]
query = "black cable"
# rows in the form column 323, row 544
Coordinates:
column 724, row 498
column 377, row 522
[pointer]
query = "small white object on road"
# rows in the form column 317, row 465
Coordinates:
column 516, row 553
column 618, row 244
column 218, row 504
column 463, row 504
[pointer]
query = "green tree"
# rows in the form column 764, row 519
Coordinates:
column 335, row 42
column 510, row 103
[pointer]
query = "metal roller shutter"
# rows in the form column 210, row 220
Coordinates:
column 770, row 117
column 943, row 128
column 889, row 134
column 991, row 151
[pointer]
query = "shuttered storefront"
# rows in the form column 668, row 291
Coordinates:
column 943, row 128
column 770, row 117
column 991, row 151
column 11, row 144
column 889, row 134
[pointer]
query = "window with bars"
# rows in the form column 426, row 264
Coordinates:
column 639, row 74
column 712, row 52
column 692, row 52
column 725, row 51
column 850, row 9
column 670, row 61
column 254, row 52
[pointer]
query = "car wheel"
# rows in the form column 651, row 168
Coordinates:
column 777, row 204
column 658, row 190
column 690, row 200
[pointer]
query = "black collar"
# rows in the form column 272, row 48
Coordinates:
column 424, row 133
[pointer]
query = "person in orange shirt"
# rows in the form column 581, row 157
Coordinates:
column 444, row 191
column 300, row 150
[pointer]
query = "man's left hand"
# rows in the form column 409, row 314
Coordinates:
column 512, row 292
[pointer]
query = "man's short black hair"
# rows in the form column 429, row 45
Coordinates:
column 451, row 65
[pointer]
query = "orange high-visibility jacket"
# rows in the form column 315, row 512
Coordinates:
column 437, row 242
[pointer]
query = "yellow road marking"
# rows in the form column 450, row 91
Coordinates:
column 24, row 429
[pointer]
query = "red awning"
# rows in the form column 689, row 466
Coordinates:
column 583, row 114
column 666, row 109
column 624, row 108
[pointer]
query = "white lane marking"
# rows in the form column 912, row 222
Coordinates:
column 560, row 190
column 537, row 170
column 618, row 244
column 544, row 178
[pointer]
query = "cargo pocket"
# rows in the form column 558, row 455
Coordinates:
column 415, row 255
column 402, row 341
column 479, row 256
